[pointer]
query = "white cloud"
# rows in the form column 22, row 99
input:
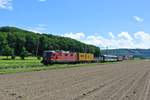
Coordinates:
column 143, row 39
column 138, row 19
column 77, row 36
column 41, row 0
column 111, row 34
column 125, row 35
column 40, row 28
column 6, row 4
column 142, row 36
column 121, row 40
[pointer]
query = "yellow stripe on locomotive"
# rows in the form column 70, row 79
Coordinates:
column 85, row 57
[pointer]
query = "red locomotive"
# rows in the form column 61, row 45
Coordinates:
column 50, row 57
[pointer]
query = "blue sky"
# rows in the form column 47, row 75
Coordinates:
column 104, row 23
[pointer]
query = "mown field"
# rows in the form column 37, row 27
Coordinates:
column 30, row 64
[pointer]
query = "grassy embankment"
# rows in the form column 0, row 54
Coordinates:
column 32, row 64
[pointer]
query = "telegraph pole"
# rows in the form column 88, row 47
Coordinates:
column 37, row 47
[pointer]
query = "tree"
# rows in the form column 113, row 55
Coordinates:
column 20, row 43
column 3, row 42
column 24, row 53
column 97, row 52
column 31, row 43
column 7, row 51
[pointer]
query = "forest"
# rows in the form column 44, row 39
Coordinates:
column 16, row 42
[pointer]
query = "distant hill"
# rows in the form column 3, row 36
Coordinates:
column 16, row 40
column 142, row 53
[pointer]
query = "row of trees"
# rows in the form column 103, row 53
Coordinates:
column 14, row 41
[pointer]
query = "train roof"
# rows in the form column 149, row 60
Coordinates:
column 110, row 55
column 58, row 51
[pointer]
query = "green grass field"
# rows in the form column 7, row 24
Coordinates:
column 18, row 65
column 29, row 61
column 32, row 64
column 29, row 64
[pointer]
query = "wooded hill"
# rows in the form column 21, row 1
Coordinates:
column 16, row 40
column 139, row 53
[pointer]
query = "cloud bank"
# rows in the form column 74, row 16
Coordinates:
column 122, row 40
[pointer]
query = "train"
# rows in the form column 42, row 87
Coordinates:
column 59, row 57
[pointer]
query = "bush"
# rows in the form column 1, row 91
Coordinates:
column 39, row 57
column 13, row 57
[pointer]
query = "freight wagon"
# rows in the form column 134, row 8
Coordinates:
column 85, row 57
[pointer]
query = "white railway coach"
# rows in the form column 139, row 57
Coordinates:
column 108, row 58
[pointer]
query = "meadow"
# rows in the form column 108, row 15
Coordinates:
column 30, row 64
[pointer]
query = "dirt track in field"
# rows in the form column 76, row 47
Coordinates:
column 129, row 80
